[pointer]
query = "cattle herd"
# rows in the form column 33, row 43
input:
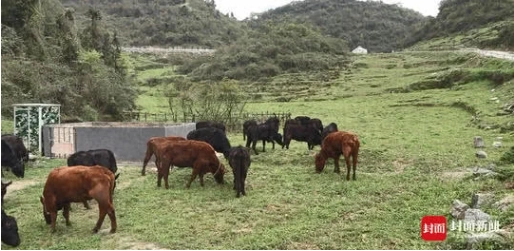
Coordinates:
column 92, row 174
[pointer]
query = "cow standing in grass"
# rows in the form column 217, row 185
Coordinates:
column 337, row 144
column 246, row 125
column 77, row 184
column 190, row 153
column 214, row 137
column 154, row 146
column 239, row 160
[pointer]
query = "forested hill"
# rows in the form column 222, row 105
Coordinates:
column 164, row 22
column 374, row 25
column 458, row 17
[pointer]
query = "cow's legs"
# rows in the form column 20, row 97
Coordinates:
column 254, row 144
column 86, row 204
column 66, row 212
column 263, row 145
column 193, row 176
column 346, row 152
column 355, row 155
column 53, row 219
column 336, row 164
column 201, row 179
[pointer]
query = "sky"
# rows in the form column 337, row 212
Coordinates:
column 243, row 8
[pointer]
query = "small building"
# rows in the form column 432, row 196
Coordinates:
column 360, row 50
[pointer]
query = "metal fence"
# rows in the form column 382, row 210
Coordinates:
column 235, row 123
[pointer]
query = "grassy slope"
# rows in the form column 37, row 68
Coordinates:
column 469, row 39
column 408, row 157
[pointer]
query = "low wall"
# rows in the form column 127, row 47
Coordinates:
column 126, row 140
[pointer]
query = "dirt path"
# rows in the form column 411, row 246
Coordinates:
column 508, row 55
column 19, row 185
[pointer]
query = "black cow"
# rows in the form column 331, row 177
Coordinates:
column 206, row 123
column 297, row 132
column 10, row 234
column 264, row 132
column 4, row 189
column 101, row 157
column 214, row 137
column 17, row 146
column 239, row 160
column 247, row 125
column 332, row 127
column 9, row 159
column 304, row 120
column 316, row 123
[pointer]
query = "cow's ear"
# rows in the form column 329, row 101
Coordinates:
column 116, row 176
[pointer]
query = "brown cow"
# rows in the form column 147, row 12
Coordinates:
column 335, row 144
column 190, row 153
column 77, row 184
column 154, row 146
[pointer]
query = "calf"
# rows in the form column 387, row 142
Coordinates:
column 9, row 159
column 332, row 127
column 239, row 160
column 214, row 137
column 77, row 184
column 154, row 147
column 190, row 153
column 333, row 146
column 4, row 189
column 213, row 124
column 264, row 132
column 303, row 133
column 246, row 125
column 10, row 234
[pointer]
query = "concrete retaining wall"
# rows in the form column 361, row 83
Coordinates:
column 126, row 140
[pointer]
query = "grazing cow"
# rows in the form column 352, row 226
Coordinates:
column 153, row 147
column 303, row 133
column 239, row 160
column 17, row 145
column 77, row 184
column 335, row 144
column 214, row 137
column 332, row 127
column 304, row 120
column 264, row 132
column 101, row 157
column 214, row 124
column 315, row 123
column 247, row 125
column 4, row 189
column 9, row 159
column 10, row 234
column 190, row 153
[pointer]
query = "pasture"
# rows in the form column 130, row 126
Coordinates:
column 416, row 157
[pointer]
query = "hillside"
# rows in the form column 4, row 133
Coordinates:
column 183, row 23
column 466, row 23
column 374, row 25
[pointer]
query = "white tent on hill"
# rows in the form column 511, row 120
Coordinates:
column 360, row 50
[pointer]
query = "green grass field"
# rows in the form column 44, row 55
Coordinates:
column 415, row 159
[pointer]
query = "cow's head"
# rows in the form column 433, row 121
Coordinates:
column 220, row 172
column 10, row 234
column 46, row 214
column 320, row 162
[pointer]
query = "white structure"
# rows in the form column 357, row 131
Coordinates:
column 360, row 50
